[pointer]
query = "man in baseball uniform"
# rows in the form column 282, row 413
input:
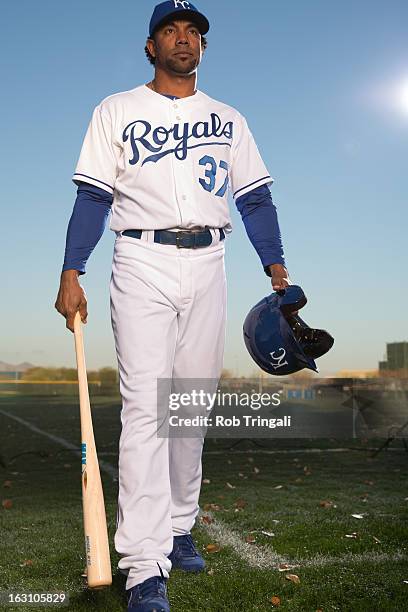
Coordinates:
column 160, row 159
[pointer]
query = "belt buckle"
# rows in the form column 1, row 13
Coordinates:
column 179, row 236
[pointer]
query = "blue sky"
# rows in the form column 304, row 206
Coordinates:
column 324, row 87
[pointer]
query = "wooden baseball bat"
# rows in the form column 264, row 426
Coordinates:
column 98, row 565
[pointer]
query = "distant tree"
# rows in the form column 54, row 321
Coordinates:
column 93, row 376
column 68, row 374
column 50, row 374
column 56, row 374
column 108, row 376
column 33, row 374
column 226, row 373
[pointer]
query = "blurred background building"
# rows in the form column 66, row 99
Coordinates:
column 396, row 361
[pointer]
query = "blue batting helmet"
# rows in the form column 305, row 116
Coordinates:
column 278, row 340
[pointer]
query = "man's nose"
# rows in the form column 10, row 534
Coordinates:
column 182, row 40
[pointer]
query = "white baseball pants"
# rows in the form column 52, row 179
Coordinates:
column 168, row 312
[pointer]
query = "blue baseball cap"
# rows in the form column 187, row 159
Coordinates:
column 177, row 9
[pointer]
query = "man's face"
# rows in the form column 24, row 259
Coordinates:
column 177, row 47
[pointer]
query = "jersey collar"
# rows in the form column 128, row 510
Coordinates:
column 194, row 98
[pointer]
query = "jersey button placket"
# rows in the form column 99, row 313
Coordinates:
column 172, row 158
column 180, row 173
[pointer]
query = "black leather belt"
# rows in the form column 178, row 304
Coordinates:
column 182, row 240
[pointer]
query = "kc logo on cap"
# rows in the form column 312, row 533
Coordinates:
column 183, row 3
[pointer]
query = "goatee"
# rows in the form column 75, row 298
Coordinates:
column 180, row 67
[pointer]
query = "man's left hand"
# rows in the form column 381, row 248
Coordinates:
column 279, row 277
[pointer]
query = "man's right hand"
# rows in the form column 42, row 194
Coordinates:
column 71, row 298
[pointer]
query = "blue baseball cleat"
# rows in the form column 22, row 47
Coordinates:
column 149, row 596
column 185, row 555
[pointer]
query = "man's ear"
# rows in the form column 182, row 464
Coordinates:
column 150, row 44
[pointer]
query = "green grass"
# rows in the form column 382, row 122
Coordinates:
column 366, row 573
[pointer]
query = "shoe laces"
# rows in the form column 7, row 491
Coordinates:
column 186, row 545
column 151, row 587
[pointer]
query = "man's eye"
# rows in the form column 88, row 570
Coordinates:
column 169, row 29
column 195, row 32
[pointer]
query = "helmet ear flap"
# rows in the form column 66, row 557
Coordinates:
column 314, row 342
column 295, row 346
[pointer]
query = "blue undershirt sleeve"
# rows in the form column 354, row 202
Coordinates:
column 260, row 218
column 86, row 225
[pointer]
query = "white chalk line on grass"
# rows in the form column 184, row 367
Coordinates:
column 267, row 558
column 349, row 558
column 262, row 558
column 253, row 555
column 106, row 467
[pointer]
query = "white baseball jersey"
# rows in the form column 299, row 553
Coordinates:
column 169, row 163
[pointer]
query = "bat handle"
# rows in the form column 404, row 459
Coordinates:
column 77, row 323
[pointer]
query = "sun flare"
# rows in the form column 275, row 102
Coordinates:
column 403, row 97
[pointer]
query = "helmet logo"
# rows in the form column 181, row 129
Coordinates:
column 183, row 3
column 277, row 360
